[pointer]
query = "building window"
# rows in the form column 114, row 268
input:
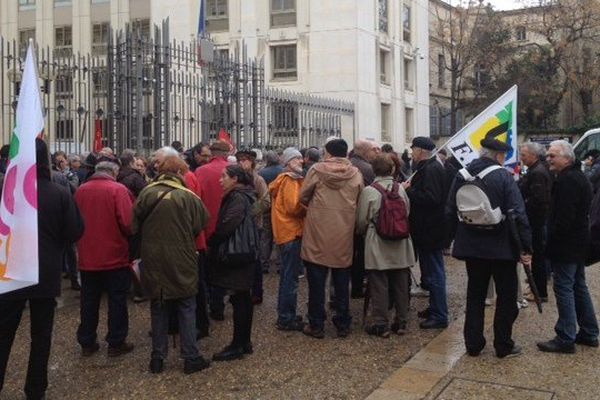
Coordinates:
column 283, row 13
column 441, row 71
column 406, row 25
column 62, row 3
column 100, row 34
column 64, row 129
column 409, row 80
column 26, row 5
column 384, row 67
column 482, row 77
column 521, row 34
column 434, row 120
column 24, row 37
column 409, row 124
column 385, row 123
column 142, row 26
column 100, row 81
column 284, row 62
column 217, row 19
column 63, row 41
column 383, row 16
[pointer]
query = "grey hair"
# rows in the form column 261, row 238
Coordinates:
column 313, row 154
column 489, row 153
column 271, row 158
column 73, row 157
column 565, row 149
column 535, row 148
column 167, row 151
column 107, row 167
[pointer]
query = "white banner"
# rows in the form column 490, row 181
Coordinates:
column 498, row 120
column 19, row 261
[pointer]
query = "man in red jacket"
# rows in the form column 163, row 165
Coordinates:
column 106, row 207
column 211, row 194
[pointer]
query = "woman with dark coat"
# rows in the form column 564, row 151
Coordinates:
column 59, row 225
column 239, row 197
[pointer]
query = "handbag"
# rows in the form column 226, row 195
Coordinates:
column 135, row 241
column 241, row 248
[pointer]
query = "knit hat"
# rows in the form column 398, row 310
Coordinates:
column 220, row 146
column 337, row 148
column 289, row 154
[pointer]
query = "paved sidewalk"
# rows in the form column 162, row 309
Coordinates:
column 442, row 370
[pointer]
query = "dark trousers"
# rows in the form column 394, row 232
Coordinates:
column 539, row 269
column 184, row 309
column 71, row 262
column 358, row 265
column 202, row 321
column 505, row 278
column 386, row 288
column 116, row 284
column 317, row 276
column 42, row 320
column 243, row 310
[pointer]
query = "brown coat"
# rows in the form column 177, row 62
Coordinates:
column 330, row 191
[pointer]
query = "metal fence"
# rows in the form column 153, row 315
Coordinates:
column 146, row 92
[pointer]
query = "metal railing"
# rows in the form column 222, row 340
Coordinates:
column 147, row 92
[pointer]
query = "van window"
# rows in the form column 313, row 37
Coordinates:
column 589, row 143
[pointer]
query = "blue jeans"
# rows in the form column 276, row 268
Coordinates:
column 291, row 265
column 317, row 276
column 573, row 302
column 433, row 262
column 186, row 315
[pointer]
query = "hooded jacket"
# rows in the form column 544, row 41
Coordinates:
column 330, row 191
column 287, row 214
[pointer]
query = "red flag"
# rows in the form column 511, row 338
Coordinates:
column 98, row 136
column 224, row 136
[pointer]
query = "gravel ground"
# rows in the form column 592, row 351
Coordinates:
column 284, row 365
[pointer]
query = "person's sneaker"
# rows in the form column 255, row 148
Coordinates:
column 90, row 350
column 291, row 326
column 586, row 342
column 424, row 314
column 139, row 299
column 229, row 353
column 123, row 348
column 419, row 292
column 156, row 366
column 522, row 303
column 217, row 316
column 553, row 346
column 195, row 364
column 516, row 351
column 310, row 331
column 378, row 330
column 432, row 324
column 490, row 302
column 398, row 328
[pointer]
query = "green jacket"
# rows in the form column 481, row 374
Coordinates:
column 169, row 258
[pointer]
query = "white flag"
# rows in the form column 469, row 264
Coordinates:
column 19, row 259
column 498, row 120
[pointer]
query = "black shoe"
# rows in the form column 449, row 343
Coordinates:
column 312, row 332
column 247, row 348
column 399, row 329
column 432, row 324
column 202, row 333
column 553, row 346
column 139, row 299
column 343, row 332
column 424, row 314
column 75, row 285
column 229, row 353
column 473, row 353
column 217, row 316
column 119, row 350
column 381, row 331
column 586, row 342
column 195, row 364
column 89, row 351
column 156, row 366
column 516, row 351
column 357, row 294
column 295, row 325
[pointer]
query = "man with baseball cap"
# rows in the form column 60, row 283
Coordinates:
column 428, row 191
column 490, row 252
column 287, row 216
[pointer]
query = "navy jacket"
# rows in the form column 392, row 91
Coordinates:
column 428, row 193
column 270, row 173
column 502, row 190
column 568, row 223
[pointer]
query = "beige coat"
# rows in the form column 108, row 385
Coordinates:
column 330, row 191
column 382, row 254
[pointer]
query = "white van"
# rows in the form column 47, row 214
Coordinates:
column 589, row 141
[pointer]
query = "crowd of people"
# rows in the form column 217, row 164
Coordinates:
column 184, row 230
